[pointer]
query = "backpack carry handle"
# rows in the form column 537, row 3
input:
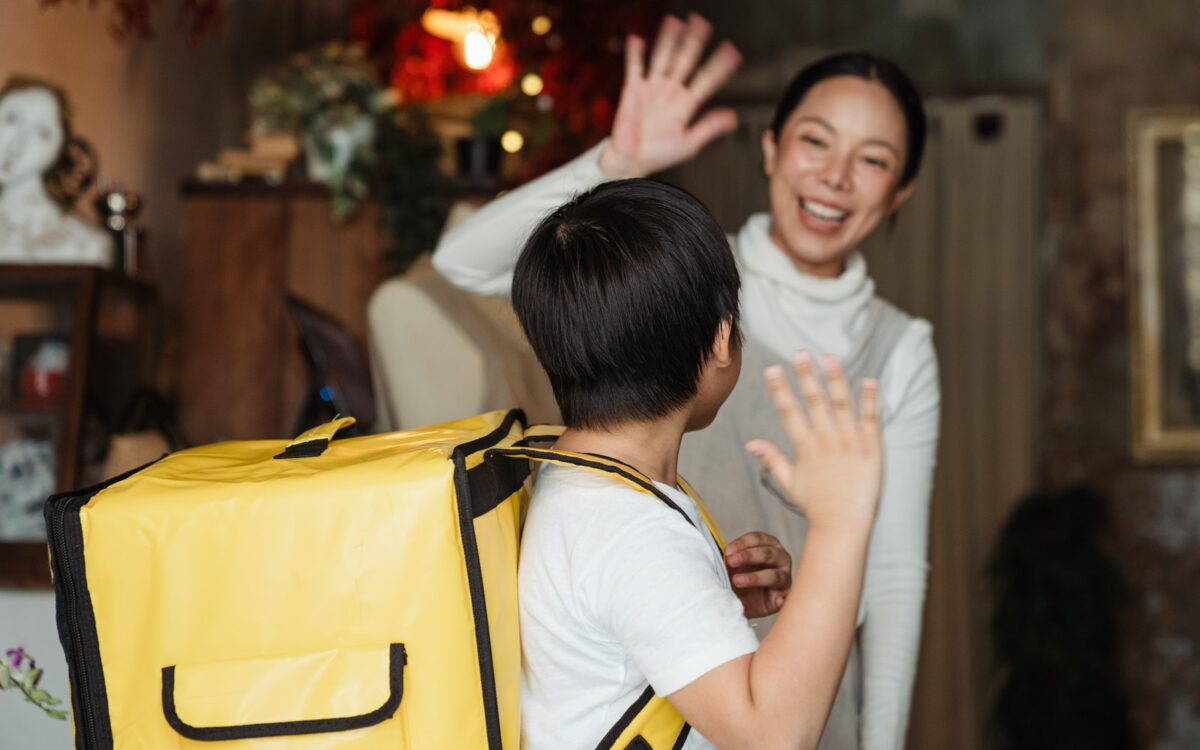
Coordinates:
column 313, row 442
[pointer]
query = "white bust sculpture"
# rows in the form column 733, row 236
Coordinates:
column 34, row 228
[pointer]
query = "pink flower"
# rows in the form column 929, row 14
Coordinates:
column 17, row 657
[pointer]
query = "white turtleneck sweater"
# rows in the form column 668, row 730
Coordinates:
column 787, row 310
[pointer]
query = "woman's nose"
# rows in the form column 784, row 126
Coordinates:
column 836, row 173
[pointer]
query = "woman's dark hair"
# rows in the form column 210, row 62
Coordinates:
column 622, row 292
column 872, row 68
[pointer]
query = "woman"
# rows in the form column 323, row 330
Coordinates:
column 841, row 156
column 37, row 162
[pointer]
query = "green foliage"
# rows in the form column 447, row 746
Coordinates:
column 413, row 192
column 313, row 95
column 492, row 119
column 1054, row 629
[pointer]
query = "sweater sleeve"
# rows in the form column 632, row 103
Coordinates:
column 897, row 570
column 479, row 254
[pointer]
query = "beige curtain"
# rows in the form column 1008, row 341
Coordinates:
column 962, row 256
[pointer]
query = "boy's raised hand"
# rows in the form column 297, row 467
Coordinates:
column 653, row 128
column 760, row 570
column 838, row 459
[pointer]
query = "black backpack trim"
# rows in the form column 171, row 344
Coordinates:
column 397, row 658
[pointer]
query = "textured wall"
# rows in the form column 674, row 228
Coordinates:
column 1112, row 56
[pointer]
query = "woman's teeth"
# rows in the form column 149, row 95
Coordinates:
column 821, row 211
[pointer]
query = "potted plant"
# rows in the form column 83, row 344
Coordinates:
column 332, row 101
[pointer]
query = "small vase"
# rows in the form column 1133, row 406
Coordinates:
column 478, row 158
column 344, row 140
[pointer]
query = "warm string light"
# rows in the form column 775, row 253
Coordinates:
column 541, row 25
column 512, row 141
column 531, row 84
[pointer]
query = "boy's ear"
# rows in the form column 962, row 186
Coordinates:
column 723, row 346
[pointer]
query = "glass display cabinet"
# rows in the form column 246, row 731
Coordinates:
column 76, row 344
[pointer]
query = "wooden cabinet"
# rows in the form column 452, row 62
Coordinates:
column 242, row 371
column 76, row 343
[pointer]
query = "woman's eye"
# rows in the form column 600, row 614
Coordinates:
column 9, row 118
column 45, row 134
column 813, row 141
column 875, row 163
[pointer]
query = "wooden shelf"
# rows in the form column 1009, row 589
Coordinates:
column 109, row 324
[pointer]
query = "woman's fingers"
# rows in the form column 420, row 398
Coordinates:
column 664, row 46
column 768, row 578
column 711, row 126
column 759, row 554
column 715, row 71
column 691, row 45
column 635, row 54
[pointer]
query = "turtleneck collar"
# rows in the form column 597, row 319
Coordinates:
column 760, row 256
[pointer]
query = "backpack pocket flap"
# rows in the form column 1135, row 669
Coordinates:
column 327, row 691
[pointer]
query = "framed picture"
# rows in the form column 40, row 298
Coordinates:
column 1164, row 265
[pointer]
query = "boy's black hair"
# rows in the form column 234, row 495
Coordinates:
column 870, row 67
column 622, row 292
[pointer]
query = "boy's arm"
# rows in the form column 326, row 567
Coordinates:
column 780, row 696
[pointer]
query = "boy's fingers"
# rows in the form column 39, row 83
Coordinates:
column 691, row 44
column 813, row 393
column 839, row 394
column 664, row 45
column 795, row 423
column 868, row 407
column 772, row 458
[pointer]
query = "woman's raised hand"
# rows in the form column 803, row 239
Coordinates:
column 836, row 473
column 654, row 128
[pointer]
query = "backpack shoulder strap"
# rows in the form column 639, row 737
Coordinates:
column 708, row 519
column 593, row 462
column 651, row 722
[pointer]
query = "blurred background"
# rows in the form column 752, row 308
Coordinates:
column 271, row 175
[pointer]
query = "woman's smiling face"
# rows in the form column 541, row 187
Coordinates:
column 834, row 171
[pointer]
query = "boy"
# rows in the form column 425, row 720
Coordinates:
column 629, row 297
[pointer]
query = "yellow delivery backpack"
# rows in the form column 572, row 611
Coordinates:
column 318, row 593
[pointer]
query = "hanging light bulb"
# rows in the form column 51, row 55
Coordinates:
column 479, row 48
column 541, row 25
column 474, row 33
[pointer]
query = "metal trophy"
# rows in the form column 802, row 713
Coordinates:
column 117, row 210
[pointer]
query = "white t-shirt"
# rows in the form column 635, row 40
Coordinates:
column 617, row 591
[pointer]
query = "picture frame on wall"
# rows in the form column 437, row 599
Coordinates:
column 1164, row 270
